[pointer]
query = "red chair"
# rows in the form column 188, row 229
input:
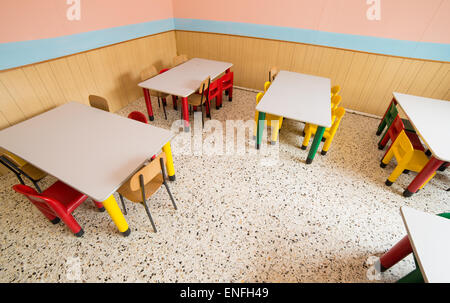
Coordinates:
column 226, row 83
column 215, row 91
column 396, row 127
column 138, row 116
column 57, row 203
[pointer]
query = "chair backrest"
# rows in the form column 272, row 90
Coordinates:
column 395, row 128
column 148, row 172
column 178, row 60
column 335, row 90
column 273, row 73
column 148, row 73
column 138, row 116
column 402, row 146
column 214, row 89
column 204, row 86
column 335, row 101
column 267, row 85
column 99, row 102
column 43, row 203
column 391, row 114
column 164, row 70
column 228, row 77
column 259, row 97
column 338, row 113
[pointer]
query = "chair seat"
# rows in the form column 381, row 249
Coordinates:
column 65, row 194
column 34, row 172
column 419, row 160
column 196, row 99
column 415, row 141
column 136, row 196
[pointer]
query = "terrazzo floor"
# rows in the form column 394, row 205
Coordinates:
column 240, row 218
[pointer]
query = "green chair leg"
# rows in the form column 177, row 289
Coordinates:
column 413, row 277
column 260, row 128
column 315, row 145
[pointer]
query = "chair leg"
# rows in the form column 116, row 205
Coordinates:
column 159, row 102
column 99, row 206
column 123, row 204
column 37, row 186
column 164, row 109
column 170, row 194
column 73, row 225
column 149, row 216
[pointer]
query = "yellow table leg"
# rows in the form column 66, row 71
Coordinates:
column 116, row 215
column 170, row 168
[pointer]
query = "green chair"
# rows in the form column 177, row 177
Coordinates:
column 389, row 117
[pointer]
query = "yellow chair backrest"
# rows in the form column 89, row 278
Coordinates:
column 402, row 147
column 99, row 102
column 178, row 60
column 335, row 90
column 149, row 172
column 267, row 85
column 259, row 97
column 338, row 113
column 273, row 73
column 148, row 73
column 335, row 101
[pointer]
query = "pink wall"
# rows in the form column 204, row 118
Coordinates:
column 37, row 19
column 416, row 20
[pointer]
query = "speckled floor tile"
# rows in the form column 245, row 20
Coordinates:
column 238, row 220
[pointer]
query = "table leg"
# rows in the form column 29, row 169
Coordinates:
column 116, row 215
column 148, row 103
column 315, row 145
column 226, row 72
column 396, row 253
column 425, row 174
column 170, row 168
column 184, row 105
column 260, row 128
column 174, row 101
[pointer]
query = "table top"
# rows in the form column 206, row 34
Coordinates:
column 299, row 97
column 91, row 150
column 183, row 80
column 429, row 237
column 431, row 119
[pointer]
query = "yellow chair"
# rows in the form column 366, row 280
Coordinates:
column 178, row 60
column 273, row 73
column 145, row 183
column 22, row 168
column 99, row 102
column 335, row 90
column 329, row 133
column 267, row 85
column 269, row 118
column 407, row 157
column 335, row 101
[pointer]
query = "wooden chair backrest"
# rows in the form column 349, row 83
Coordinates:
column 149, row 172
column 99, row 102
column 148, row 73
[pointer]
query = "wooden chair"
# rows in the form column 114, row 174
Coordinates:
column 99, row 102
column 151, row 72
column 273, row 73
column 178, row 60
column 202, row 98
column 22, row 168
column 145, row 183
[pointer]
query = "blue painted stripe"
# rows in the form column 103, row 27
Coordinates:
column 402, row 48
column 15, row 54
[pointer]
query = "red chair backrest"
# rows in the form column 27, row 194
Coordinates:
column 138, row 116
column 214, row 89
column 396, row 127
column 164, row 70
column 44, row 204
column 227, row 79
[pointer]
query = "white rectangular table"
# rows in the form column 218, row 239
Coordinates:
column 183, row 80
column 431, row 120
column 91, row 150
column 298, row 97
column 429, row 237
